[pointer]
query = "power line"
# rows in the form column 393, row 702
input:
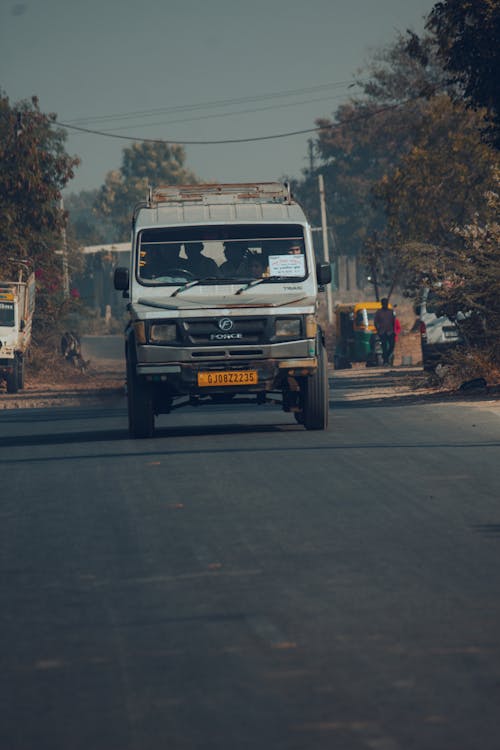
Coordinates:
column 221, row 114
column 212, row 105
column 333, row 126
column 225, row 140
column 181, row 142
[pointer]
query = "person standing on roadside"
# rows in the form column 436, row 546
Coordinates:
column 384, row 323
column 397, row 325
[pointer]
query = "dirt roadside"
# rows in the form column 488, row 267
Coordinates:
column 64, row 385
column 104, row 383
column 407, row 385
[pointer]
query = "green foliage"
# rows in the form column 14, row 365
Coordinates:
column 87, row 225
column 472, row 273
column 367, row 138
column 384, row 264
column 441, row 181
column 468, row 37
column 143, row 164
column 411, row 183
column 407, row 69
column 34, row 168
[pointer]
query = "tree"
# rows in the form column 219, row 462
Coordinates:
column 439, row 184
column 442, row 206
column 34, row 168
column 87, row 225
column 468, row 38
column 469, row 292
column 404, row 166
column 368, row 136
column 143, row 164
column 385, row 265
column 478, row 291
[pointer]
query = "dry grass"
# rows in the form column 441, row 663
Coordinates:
column 464, row 366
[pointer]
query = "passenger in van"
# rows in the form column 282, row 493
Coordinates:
column 235, row 253
column 257, row 266
column 200, row 266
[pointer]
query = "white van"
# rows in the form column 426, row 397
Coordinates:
column 222, row 295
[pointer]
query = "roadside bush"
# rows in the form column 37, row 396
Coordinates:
column 464, row 365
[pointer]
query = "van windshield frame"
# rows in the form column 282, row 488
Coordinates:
column 220, row 254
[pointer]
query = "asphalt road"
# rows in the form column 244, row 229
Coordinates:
column 240, row 583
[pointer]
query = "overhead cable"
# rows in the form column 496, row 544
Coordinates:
column 218, row 115
column 181, row 142
column 212, row 105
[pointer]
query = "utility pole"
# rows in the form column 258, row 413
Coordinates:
column 326, row 252
column 65, row 267
column 311, row 155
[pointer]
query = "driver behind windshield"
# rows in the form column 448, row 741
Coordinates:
column 234, row 253
column 199, row 265
column 156, row 260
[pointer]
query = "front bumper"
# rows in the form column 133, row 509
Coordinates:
column 437, row 353
column 182, row 379
column 274, row 364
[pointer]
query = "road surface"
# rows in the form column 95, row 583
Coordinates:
column 240, row 583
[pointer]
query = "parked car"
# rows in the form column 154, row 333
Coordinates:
column 439, row 335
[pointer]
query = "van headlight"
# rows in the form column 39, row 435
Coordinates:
column 289, row 328
column 311, row 327
column 162, row 333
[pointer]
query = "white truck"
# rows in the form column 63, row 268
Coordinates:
column 17, row 305
column 222, row 295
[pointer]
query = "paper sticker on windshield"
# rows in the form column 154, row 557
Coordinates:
column 287, row 265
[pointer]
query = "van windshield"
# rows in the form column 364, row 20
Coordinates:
column 7, row 314
column 221, row 254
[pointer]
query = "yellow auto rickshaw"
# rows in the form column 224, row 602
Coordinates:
column 355, row 335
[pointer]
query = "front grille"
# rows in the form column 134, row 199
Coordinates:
column 243, row 332
column 200, row 355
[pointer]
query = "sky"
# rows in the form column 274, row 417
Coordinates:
column 194, row 70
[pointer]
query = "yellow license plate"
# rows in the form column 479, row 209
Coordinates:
column 228, row 377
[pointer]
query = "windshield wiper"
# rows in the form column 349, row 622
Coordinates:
column 194, row 282
column 256, row 282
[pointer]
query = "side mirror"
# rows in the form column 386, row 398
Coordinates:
column 323, row 273
column 121, row 279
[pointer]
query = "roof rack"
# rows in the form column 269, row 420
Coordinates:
column 260, row 192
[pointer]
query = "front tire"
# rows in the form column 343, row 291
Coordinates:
column 20, row 373
column 140, row 405
column 315, row 397
column 13, row 377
